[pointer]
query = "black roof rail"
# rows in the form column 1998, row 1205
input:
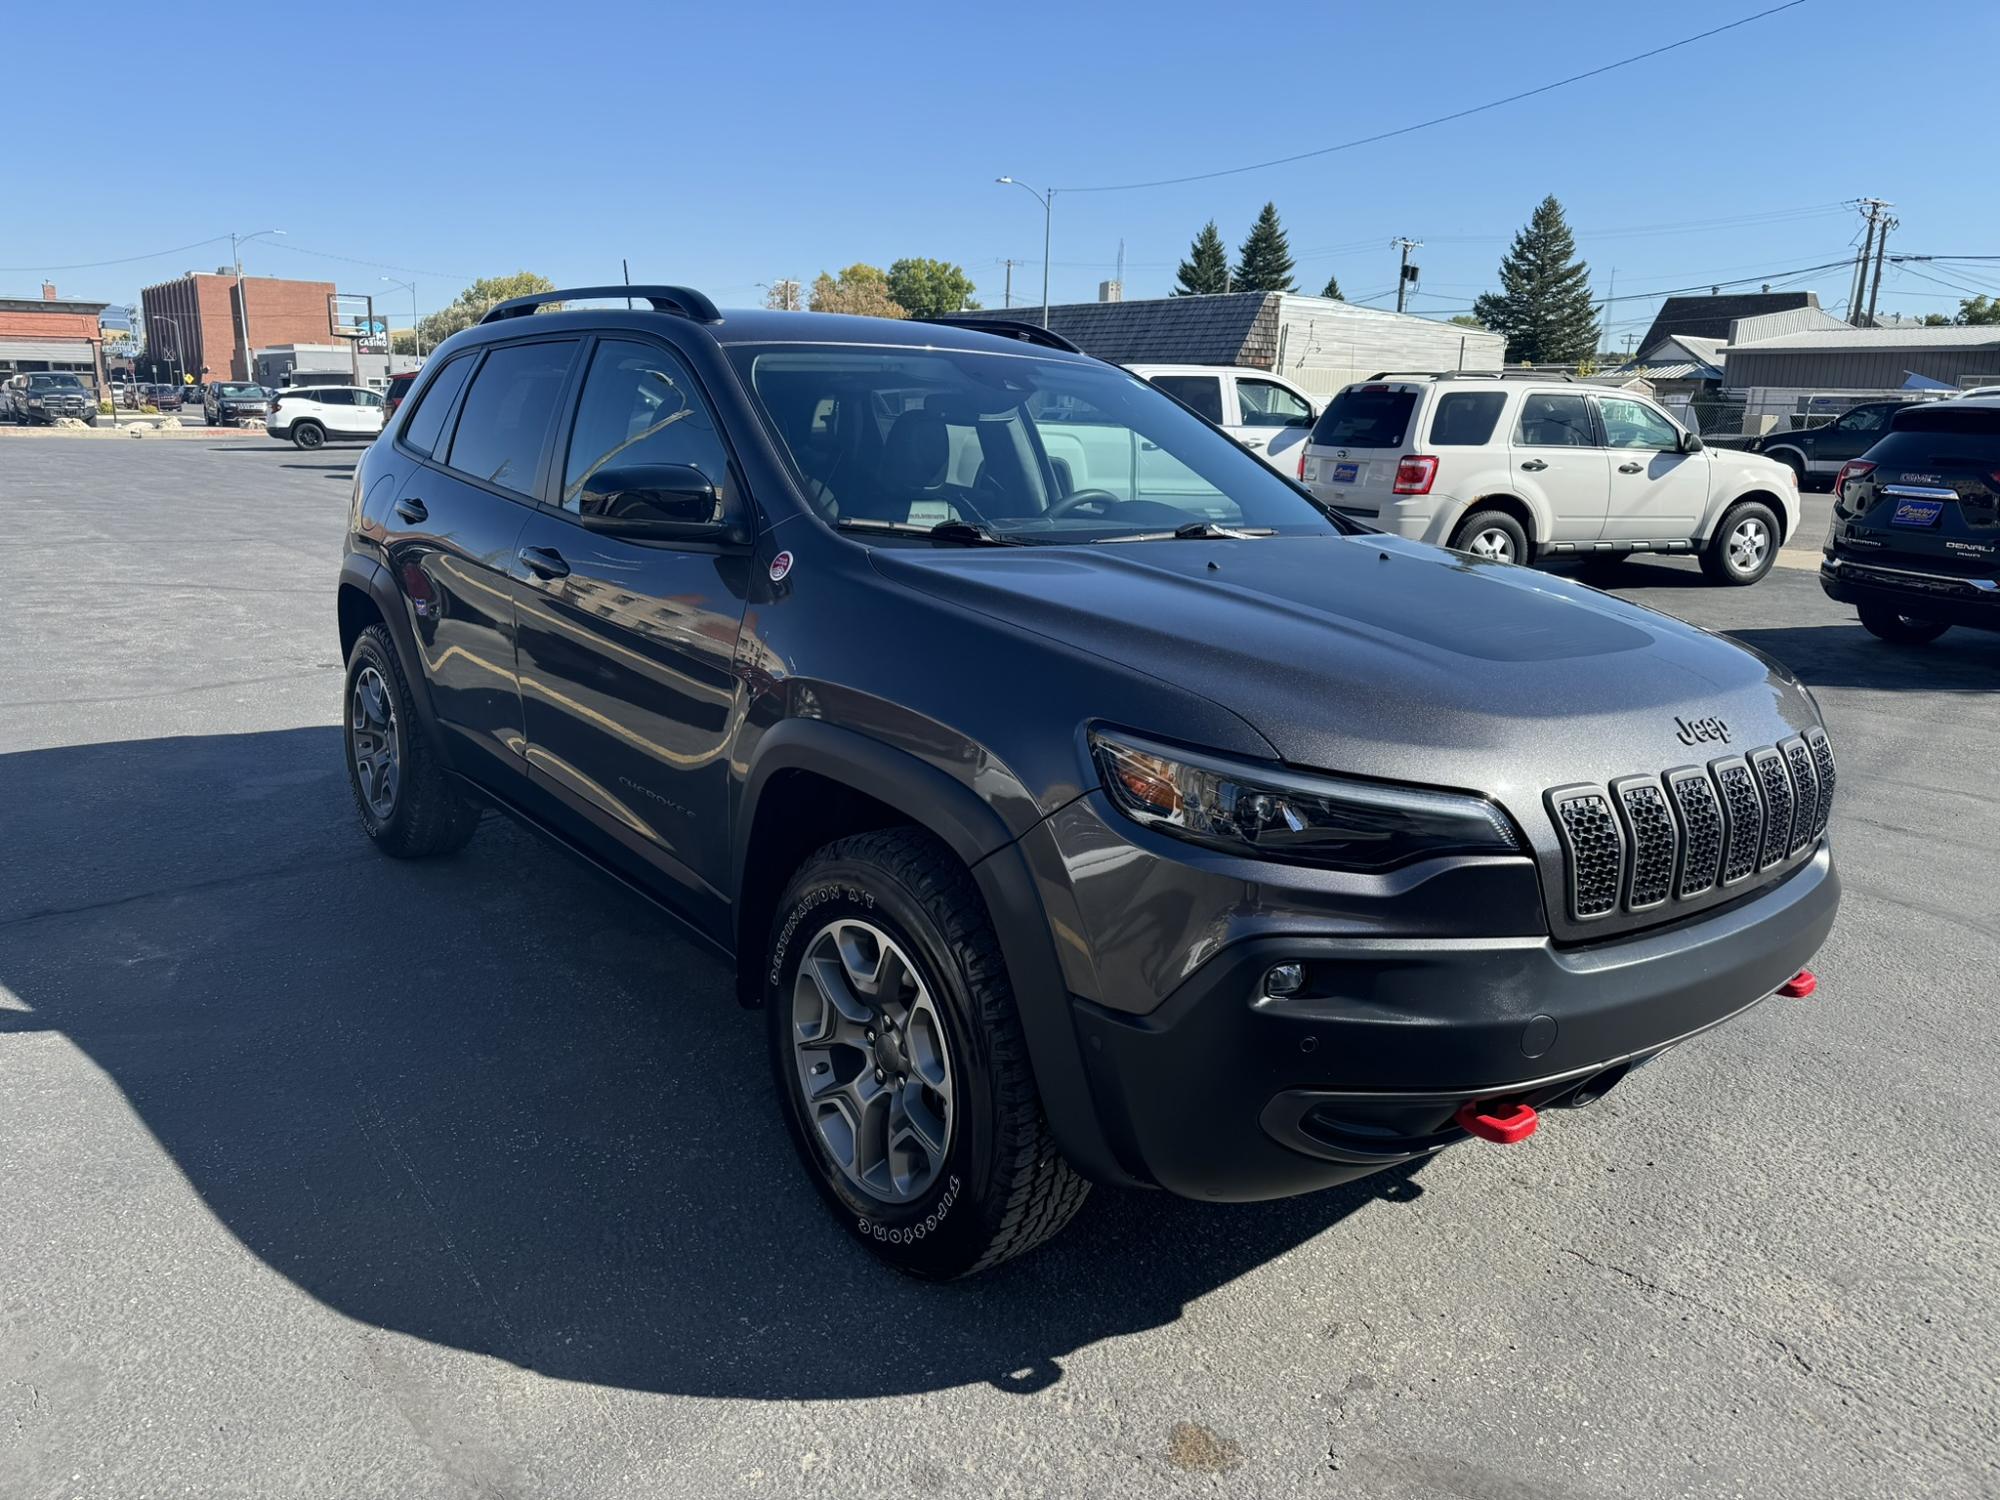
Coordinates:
column 684, row 300
column 1472, row 375
column 1006, row 328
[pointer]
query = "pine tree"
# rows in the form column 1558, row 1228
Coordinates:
column 1543, row 305
column 1332, row 289
column 1264, row 264
column 1206, row 270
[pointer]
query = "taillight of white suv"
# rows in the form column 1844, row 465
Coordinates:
column 1415, row 473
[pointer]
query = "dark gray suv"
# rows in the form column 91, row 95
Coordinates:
column 1079, row 799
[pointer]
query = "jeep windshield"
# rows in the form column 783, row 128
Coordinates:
column 55, row 382
column 241, row 392
column 1008, row 446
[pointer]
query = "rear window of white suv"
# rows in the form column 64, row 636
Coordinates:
column 1366, row 417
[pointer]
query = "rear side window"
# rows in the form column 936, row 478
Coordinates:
column 1465, row 419
column 503, row 428
column 1555, row 422
column 1202, row 392
column 333, row 396
column 420, row 431
column 1366, row 417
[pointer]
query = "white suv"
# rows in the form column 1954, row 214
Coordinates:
column 1515, row 467
column 310, row 414
column 1264, row 412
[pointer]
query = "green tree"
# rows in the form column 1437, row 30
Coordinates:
column 1466, row 320
column 929, row 288
column 1332, row 289
column 1206, row 270
column 1543, row 305
column 471, row 304
column 1979, row 310
column 1264, row 264
column 860, row 289
column 1936, row 320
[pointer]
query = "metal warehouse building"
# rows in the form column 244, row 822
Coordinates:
column 1865, row 359
column 1316, row 342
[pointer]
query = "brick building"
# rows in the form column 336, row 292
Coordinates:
column 194, row 321
column 50, row 333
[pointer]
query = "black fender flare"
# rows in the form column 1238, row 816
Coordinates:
column 370, row 577
column 937, row 801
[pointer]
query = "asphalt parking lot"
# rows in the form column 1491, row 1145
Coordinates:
column 322, row 1174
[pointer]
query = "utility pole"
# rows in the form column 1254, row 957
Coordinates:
column 1871, row 210
column 1007, row 297
column 1881, row 249
column 1405, row 273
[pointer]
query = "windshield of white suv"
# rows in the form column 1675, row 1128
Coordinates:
column 1008, row 447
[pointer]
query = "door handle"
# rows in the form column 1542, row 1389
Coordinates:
column 412, row 510
column 543, row 562
column 1534, row 465
column 1253, row 442
column 1629, row 468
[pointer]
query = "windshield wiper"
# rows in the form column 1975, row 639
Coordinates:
column 1194, row 531
column 962, row 532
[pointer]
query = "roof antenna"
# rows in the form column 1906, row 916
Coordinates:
column 626, row 266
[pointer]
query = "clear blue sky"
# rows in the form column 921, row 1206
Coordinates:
column 724, row 146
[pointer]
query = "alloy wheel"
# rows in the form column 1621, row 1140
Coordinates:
column 1493, row 543
column 375, row 740
column 869, row 1045
column 1749, row 541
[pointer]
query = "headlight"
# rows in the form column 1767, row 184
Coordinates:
column 1293, row 815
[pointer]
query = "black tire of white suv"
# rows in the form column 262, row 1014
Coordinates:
column 308, row 435
column 1745, row 545
column 1492, row 534
column 889, row 1004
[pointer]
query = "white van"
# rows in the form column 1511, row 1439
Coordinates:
column 1264, row 412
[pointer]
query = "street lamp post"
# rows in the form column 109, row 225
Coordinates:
column 243, row 302
column 1048, row 202
column 415, row 332
column 174, row 323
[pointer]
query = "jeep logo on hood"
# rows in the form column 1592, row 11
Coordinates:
column 1696, row 731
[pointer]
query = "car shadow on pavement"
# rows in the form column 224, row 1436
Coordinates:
column 496, row 1102
column 1842, row 654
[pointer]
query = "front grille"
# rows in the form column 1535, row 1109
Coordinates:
column 1642, row 844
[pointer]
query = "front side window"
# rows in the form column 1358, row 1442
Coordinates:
column 1633, row 424
column 1864, row 419
column 1033, row 449
column 421, row 428
column 1554, row 422
column 503, row 428
column 1202, row 392
column 1265, row 403
column 639, row 409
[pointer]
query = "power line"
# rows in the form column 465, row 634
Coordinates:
column 1369, row 140
column 126, row 260
column 381, row 265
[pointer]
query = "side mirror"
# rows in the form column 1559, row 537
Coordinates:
column 664, row 502
column 1690, row 443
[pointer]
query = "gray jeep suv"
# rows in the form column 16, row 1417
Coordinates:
column 1079, row 799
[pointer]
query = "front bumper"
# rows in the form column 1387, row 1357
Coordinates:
column 1221, row 1092
column 1893, row 582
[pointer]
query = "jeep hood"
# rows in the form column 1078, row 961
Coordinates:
column 1389, row 658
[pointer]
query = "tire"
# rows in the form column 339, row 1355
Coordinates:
column 1886, row 624
column 308, row 435
column 993, row 1186
column 1744, row 547
column 1492, row 534
column 417, row 810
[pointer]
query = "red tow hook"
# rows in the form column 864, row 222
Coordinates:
column 1501, row 1121
column 1799, row 985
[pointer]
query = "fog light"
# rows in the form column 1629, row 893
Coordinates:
column 1284, row 979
